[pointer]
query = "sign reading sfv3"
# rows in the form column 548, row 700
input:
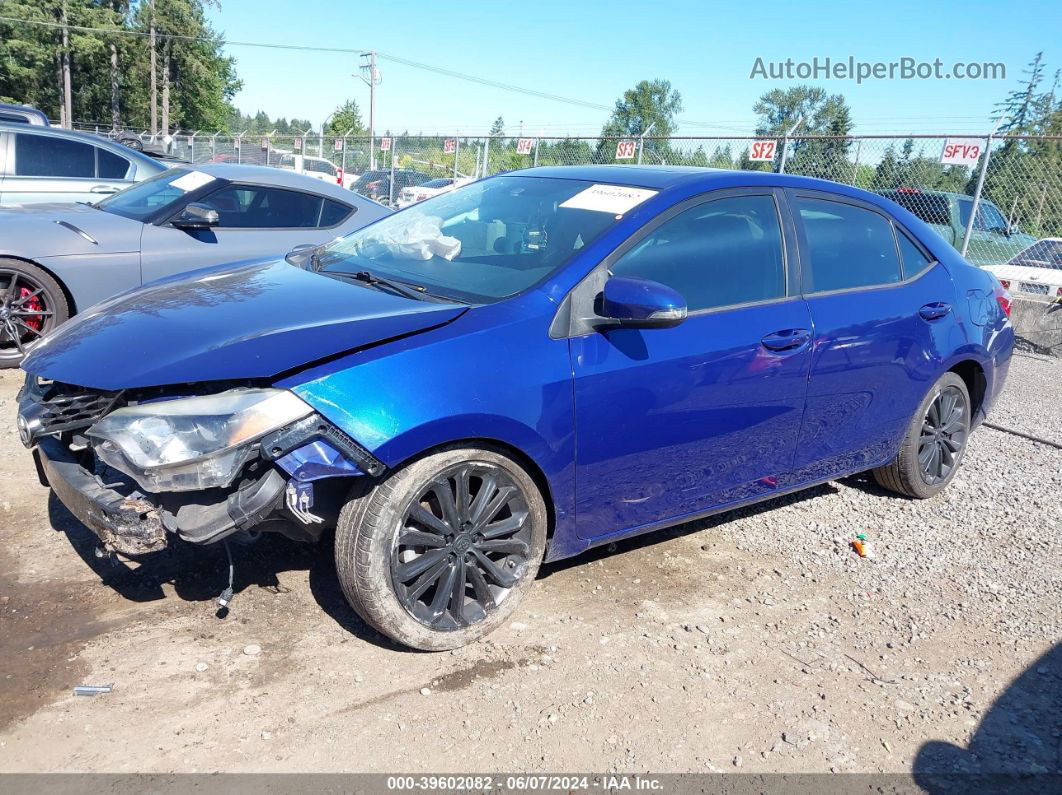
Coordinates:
column 961, row 151
column 762, row 151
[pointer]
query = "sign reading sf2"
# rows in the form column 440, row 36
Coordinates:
column 762, row 151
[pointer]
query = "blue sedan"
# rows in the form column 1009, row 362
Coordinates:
column 519, row 370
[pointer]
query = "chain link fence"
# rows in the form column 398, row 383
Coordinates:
column 990, row 197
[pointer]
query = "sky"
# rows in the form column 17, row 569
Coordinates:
column 593, row 51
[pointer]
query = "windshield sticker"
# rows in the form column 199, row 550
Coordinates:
column 192, row 180
column 614, row 199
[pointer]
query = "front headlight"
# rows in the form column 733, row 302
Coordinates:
column 192, row 443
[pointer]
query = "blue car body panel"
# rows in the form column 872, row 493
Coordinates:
column 625, row 429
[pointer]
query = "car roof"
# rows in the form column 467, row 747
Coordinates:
column 663, row 178
column 279, row 177
column 84, row 137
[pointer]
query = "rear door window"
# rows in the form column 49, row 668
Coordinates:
column 847, row 246
column 44, row 156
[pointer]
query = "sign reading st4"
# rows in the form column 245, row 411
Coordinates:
column 762, row 151
column 523, row 146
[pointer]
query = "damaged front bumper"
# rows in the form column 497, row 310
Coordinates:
column 132, row 523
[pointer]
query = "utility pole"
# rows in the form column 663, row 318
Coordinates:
column 66, row 115
column 154, row 71
column 371, row 76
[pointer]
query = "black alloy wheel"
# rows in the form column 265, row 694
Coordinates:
column 31, row 305
column 944, row 433
column 463, row 543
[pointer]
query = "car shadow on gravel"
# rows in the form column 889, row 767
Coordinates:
column 688, row 528
column 1016, row 748
column 199, row 574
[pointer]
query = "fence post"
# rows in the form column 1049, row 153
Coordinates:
column 855, row 165
column 239, row 147
column 535, row 161
column 641, row 141
column 785, row 144
column 486, row 156
column 391, row 181
column 457, row 151
column 979, row 188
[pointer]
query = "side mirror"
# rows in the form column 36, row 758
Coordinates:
column 640, row 303
column 196, row 216
column 301, row 255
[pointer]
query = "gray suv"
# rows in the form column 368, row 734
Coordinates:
column 49, row 164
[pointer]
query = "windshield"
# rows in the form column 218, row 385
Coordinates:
column 1044, row 254
column 486, row 241
column 142, row 200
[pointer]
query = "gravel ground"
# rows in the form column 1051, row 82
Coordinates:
column 756, row 640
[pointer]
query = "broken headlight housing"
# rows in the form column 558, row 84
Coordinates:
column 192, row 443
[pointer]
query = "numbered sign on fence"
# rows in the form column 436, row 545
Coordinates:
column 762, row 151
column 625, row 150
column 297, row 145
column 236, row 142
column 385, row 144
column 265, row 143
column 961, row 151
column 449, row 146
column 337, row 145
column 523, row 146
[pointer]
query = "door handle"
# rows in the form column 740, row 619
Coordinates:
column 934, row 311
column 103, row 189
column 786, row 340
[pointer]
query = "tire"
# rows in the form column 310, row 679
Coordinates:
column 910, row 475
column 31, row 304
column 425, row 575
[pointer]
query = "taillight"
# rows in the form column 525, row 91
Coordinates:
column 1005, row 283
column 1003, row 299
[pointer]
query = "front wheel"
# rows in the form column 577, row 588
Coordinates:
column 933, row 447
column 31, row 304
column 440, row 552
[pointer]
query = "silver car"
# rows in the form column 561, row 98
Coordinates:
column 58, row 259
column 45, row 164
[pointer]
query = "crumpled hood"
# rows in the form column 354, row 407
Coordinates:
column 254, row 321
column 36, row 231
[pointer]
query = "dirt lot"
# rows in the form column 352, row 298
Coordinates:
column 755, row 640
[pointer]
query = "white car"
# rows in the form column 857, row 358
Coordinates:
column 316, row 167
column 1035, row 271
column 433, row 187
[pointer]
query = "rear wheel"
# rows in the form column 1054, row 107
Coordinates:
column 31, row 304
column 935, row 442
column 440, row 552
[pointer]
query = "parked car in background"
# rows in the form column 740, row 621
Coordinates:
column 537, row 363
column 433, row 187
column 316, row 167
column 58, row 259
column 377, row 184
column 1035, row 271
column 50, row 164
column 22, row 114
column 992, row 241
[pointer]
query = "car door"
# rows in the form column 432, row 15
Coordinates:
column 990, row 243
column 47, row 168
column 253, row 221
column 882, row 315
column 673, row 422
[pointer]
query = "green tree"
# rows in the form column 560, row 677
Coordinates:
column 821, row 114
column 346, row 117
column 651, row 103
